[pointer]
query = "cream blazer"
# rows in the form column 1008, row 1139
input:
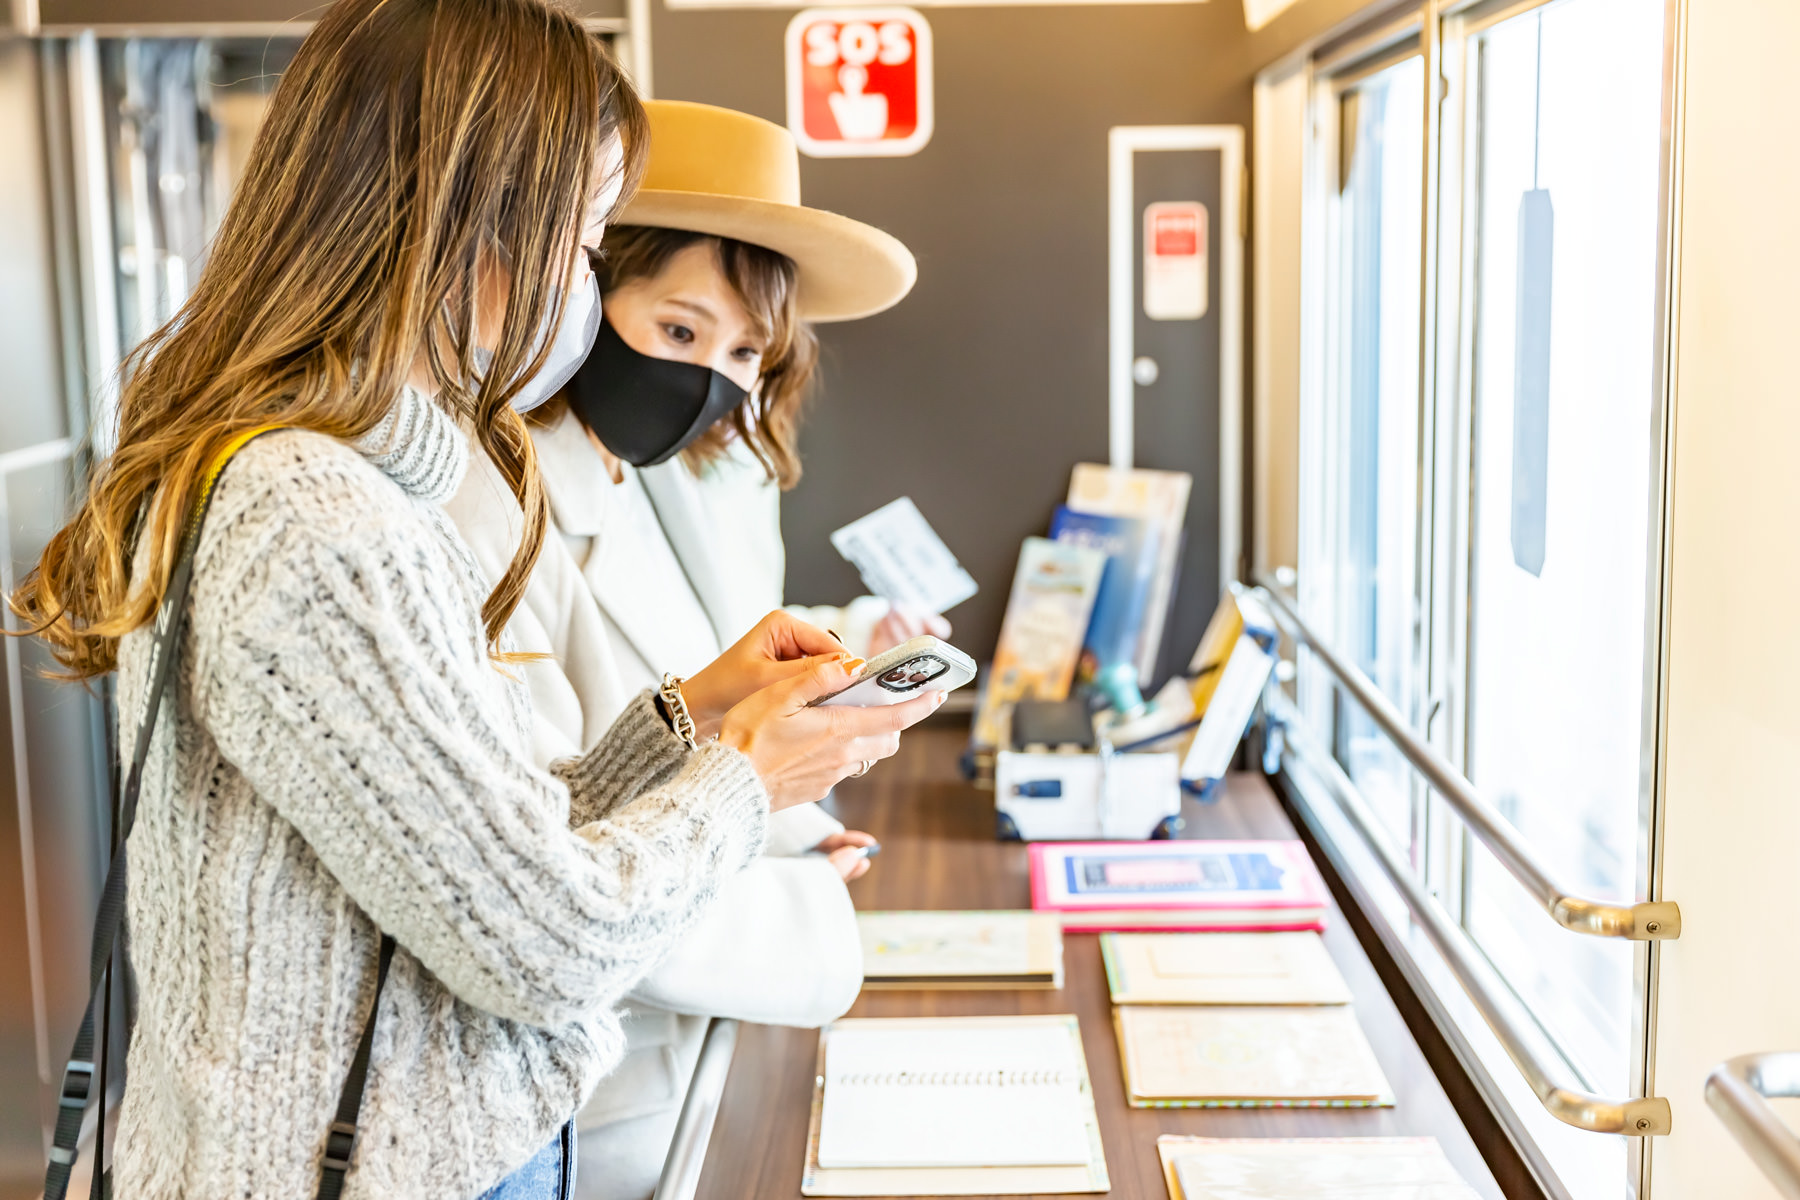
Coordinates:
column 780, row 946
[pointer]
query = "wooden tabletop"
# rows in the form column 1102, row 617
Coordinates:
column 938, row 852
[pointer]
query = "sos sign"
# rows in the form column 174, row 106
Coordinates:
column 859, row 81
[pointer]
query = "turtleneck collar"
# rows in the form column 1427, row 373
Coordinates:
column 419, row 447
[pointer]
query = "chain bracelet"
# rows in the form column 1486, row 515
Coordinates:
column 679, row 717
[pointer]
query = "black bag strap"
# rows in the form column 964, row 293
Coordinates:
column 341, row 1142
column 79, row 1073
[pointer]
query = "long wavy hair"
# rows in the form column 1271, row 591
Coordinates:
column 766, row 284
column 413, row 150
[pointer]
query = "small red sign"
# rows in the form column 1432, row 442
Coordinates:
column 859, row 81
column 1176, row 234
column 1175, row 266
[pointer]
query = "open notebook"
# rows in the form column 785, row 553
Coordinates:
column 1221, row 968
column 1398, row 1168
column 960, row 1106
column 1206, row 1056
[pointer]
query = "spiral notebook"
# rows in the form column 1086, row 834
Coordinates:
column 961, row 1106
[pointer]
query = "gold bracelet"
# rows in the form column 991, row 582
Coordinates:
column 679, row 717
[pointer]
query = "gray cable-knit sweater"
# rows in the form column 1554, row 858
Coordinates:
column 339, row 754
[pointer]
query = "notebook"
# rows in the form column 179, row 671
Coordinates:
column 1400, row 1168
column 1221, row 968
column 1047, row 613
column 958, row 1106
column 1188, row 885
column 1222, row 1057
column 1009, row 949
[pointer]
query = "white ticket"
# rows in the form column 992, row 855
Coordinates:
column 903, row 560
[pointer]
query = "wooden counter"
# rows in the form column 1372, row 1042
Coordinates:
column 938, row 852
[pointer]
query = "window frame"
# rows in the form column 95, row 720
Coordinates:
column 1446, row 36
column 1393, row 44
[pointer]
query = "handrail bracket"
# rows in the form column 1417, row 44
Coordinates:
column 1650, row 921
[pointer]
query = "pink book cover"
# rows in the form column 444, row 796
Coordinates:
column 1189, row 876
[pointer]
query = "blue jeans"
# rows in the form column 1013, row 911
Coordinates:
column 547, row 1175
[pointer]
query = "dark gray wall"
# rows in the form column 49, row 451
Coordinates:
column 978, row 393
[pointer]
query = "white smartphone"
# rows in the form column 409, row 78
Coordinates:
column 924, row 664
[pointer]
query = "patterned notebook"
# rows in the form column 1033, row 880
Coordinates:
column 1379, row 1168
column 1221, row 968
column 1001, row 949
column 1221, row 1057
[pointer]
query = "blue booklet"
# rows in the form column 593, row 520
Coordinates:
column 1130, row 545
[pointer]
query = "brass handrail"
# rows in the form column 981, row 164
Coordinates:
column 1654, row 920
column 1738, row 1091
column 1640, row 1116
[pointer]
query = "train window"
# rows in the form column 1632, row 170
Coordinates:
column 1370, row 407
column 1565, row 163
column 1478, row 485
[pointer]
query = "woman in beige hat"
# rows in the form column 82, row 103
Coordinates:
column 663, row 459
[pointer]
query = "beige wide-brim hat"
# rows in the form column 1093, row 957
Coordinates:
column 713, row 170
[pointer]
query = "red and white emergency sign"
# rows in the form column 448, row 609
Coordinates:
column 1175, row 260
column 859, row 81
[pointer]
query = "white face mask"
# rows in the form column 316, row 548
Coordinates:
column 580, row 326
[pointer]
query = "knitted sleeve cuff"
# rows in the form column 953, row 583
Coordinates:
column 737, row 803
column 638, row 753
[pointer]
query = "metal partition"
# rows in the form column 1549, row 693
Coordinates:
column 693, row 1129
column 1738, row 1091
column 54, row 829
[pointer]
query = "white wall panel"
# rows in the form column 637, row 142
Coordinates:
column 1731, row 834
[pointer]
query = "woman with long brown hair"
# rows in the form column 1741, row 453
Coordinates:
column 343, row 749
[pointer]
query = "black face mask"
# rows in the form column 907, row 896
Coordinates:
column 647, row 410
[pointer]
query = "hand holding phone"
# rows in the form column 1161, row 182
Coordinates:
column 777, row 649
column 800, row 754
column 924, row 664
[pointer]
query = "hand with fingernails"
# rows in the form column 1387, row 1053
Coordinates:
column 847, row 852
column 756, row 698
column 902, row 624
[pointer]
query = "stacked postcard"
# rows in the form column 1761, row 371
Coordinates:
column 1237, row 1020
